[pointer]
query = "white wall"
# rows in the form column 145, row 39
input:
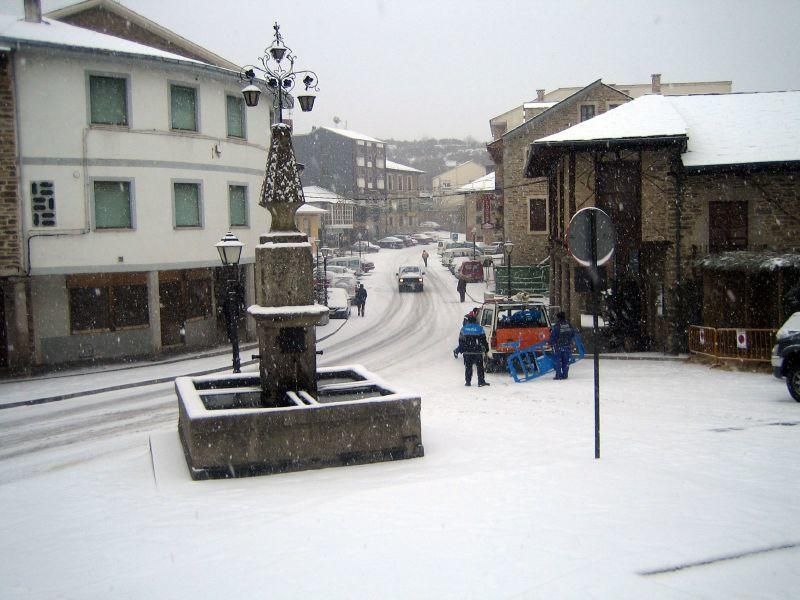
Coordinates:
column 57, row 144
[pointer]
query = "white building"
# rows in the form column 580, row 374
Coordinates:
column 132, row 163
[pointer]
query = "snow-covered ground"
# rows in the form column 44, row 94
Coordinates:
column 695, row 495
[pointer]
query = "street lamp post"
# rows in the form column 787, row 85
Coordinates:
column 230, row 251
column 277, row 67
column 508, row 247
column 359, row 249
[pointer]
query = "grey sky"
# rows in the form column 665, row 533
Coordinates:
column 413, row 68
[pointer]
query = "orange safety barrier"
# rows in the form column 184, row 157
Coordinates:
column 732, row 343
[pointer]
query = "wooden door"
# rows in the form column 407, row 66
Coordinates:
column 173, row 314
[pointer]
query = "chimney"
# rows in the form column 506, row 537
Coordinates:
column 33, row 11
column 656, row 83
column 540, row 95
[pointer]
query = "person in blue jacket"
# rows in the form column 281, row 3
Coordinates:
column 473, row 345
column 562, row 336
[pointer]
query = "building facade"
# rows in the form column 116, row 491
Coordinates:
column 402, row 211
column 704, row 194
column 115, row 192
column 350, row 164
column 527, row 204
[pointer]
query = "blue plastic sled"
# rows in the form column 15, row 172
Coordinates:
column 534, row 361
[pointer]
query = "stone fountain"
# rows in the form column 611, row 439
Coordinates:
column 292, row 415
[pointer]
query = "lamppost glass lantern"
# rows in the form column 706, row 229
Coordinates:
column 230, row 251
column 277, row 69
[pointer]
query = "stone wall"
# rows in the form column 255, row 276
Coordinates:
column 533, row 247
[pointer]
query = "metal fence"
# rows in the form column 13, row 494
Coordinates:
column 732, row 343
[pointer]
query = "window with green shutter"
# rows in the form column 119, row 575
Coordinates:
column 113, row 207
column 187, row 205
column 183, row 108
column 237, row 202
column 108, row 100
column 235, row 113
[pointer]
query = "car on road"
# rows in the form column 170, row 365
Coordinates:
column 391, row 242
column 338, row 304
column 786, row 355
column 358, row 265
column 410, row 277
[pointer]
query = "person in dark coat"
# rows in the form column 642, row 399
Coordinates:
column 562, row 336
column 425, row 257
column 473, row 345
column 462, row 287
column 361, row 299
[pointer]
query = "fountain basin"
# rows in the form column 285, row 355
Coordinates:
column 355, row 418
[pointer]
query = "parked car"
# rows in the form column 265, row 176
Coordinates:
column 391, row 242
column 407, row 239
column 470, row 270
column 409, row 277
column 429, row 225
column 512, row 324
column 338, row 304
column 358, row 265
column 364, row 246
column 452, row 253
column 344, row 281
column 422, row 238
column 786, row 355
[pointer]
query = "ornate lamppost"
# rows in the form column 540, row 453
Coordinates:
column 277, row 68
column 230, row 251
column 508, row 247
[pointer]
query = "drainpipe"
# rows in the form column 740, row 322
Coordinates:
column 678, row 302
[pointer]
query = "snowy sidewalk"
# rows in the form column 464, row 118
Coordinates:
column 62, row 385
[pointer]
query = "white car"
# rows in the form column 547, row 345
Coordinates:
column 410, row 277
column 338, row 304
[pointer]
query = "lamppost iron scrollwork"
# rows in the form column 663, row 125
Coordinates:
column 277, row 68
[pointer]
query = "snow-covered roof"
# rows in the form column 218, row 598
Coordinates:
column 391, row 165
column 55, row 33
column 530, row 105
column 319, row 195
column 309, row 209
column 724, row 129
column 481, row 184
column 750, row 261
column 133, row 18
column 353, row 135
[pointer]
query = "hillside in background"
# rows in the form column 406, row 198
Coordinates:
column 437, row 156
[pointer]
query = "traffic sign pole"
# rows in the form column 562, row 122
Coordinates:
column 596, row 303
column 590, row 238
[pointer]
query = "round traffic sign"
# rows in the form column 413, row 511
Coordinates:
column 579, row 236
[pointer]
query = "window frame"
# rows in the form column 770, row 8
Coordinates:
column 200, row 211
column 246, row 225
column 195, row 89
column 108, row 75
column 715, row 220
column 240, row 100
column 545, row 220
column 592, row 105
column 107, row 282
column 131, row 202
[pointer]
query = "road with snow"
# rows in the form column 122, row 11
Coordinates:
column 695, row 495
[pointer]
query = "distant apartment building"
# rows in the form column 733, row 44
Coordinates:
column 350, row 164
column 336, row 229
column 447, row 202
column 402, row 212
